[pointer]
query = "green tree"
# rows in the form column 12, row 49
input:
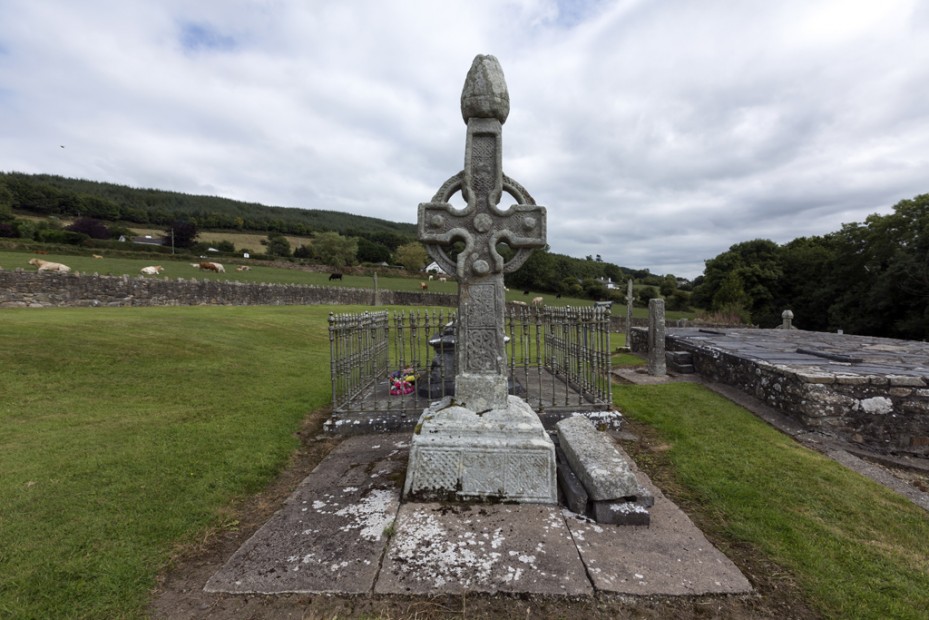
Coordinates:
column 412, row 256
column 372, row 251
column 536, row 274
column 184, row 234
column 335, row 250
column 6, row 203
column 276, row 245
column 758, row 268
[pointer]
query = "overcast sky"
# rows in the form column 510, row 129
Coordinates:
column 656, row 133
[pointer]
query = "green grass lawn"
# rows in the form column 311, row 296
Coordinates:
column 126, row 431
column 856, row 549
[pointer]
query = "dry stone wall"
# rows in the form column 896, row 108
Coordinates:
column 29, row 289
column 883, row 408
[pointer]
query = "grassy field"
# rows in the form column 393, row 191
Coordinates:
column 856, row 549
column 263, row 272
column 124, row 432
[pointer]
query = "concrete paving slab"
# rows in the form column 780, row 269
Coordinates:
column 330, row 534
column 669, row 557
column 458, row 548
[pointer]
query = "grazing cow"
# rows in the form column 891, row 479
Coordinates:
column 96, row 256
column 526, row 292
column 152, row 270
column 335, row 276
column 537, row 301
column 520, row 303
column 443, row 279
column 558, row 296
column 423, row 286
column 44, row 265
column 243, row 268
column 208, row 266
column 430, row 277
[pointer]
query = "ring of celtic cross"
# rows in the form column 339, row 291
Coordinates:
column 482, row 224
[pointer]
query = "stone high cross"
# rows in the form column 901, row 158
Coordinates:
column 481, row 382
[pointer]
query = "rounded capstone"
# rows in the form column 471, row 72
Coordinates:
column 485, row 94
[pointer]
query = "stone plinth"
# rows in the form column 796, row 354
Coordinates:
column 501, row 454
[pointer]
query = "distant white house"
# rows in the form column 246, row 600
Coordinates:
column 607, row 282
column 434, row 268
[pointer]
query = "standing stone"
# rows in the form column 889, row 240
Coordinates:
column 787, row 318
column 484, row 443
column 656, row 334
column 629, row 314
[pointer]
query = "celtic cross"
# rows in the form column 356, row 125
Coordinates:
column 481, row 382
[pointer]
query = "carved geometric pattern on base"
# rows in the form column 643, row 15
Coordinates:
column 526, row 473
column 438, row 469
column 483, row 472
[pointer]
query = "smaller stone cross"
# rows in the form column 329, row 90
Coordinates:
column 481, row 383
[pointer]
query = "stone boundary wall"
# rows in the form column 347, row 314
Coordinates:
column 30, row 289
column 885, row 413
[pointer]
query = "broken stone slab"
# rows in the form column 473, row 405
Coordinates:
column 671, row 557
column 615, row 493
column 620, row 513
column 575, row 495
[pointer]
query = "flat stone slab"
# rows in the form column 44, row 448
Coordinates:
column 880, row 356
column 330, row 534
column 458, row 548
column 344, row 531
column 669, row 557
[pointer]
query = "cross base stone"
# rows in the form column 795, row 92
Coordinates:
column 503, row 454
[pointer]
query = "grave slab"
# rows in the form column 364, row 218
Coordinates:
column 329, row 536
column 458, row 548
column 669, row 557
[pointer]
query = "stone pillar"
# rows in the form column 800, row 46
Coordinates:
column 787, row 317
column 656, row 334
column 629, row 298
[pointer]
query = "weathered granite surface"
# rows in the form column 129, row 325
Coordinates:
column 502, row 454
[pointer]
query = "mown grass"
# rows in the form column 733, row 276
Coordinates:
column 856, row 549
column 124, row 432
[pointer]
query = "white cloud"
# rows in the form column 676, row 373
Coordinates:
column 657, row 134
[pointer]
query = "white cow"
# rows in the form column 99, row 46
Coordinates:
column 152, row 270
column 44, row 265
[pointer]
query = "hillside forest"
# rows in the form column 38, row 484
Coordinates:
column 869, row 278
column 57, row 210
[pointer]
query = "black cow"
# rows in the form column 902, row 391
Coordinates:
column 335, row 276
